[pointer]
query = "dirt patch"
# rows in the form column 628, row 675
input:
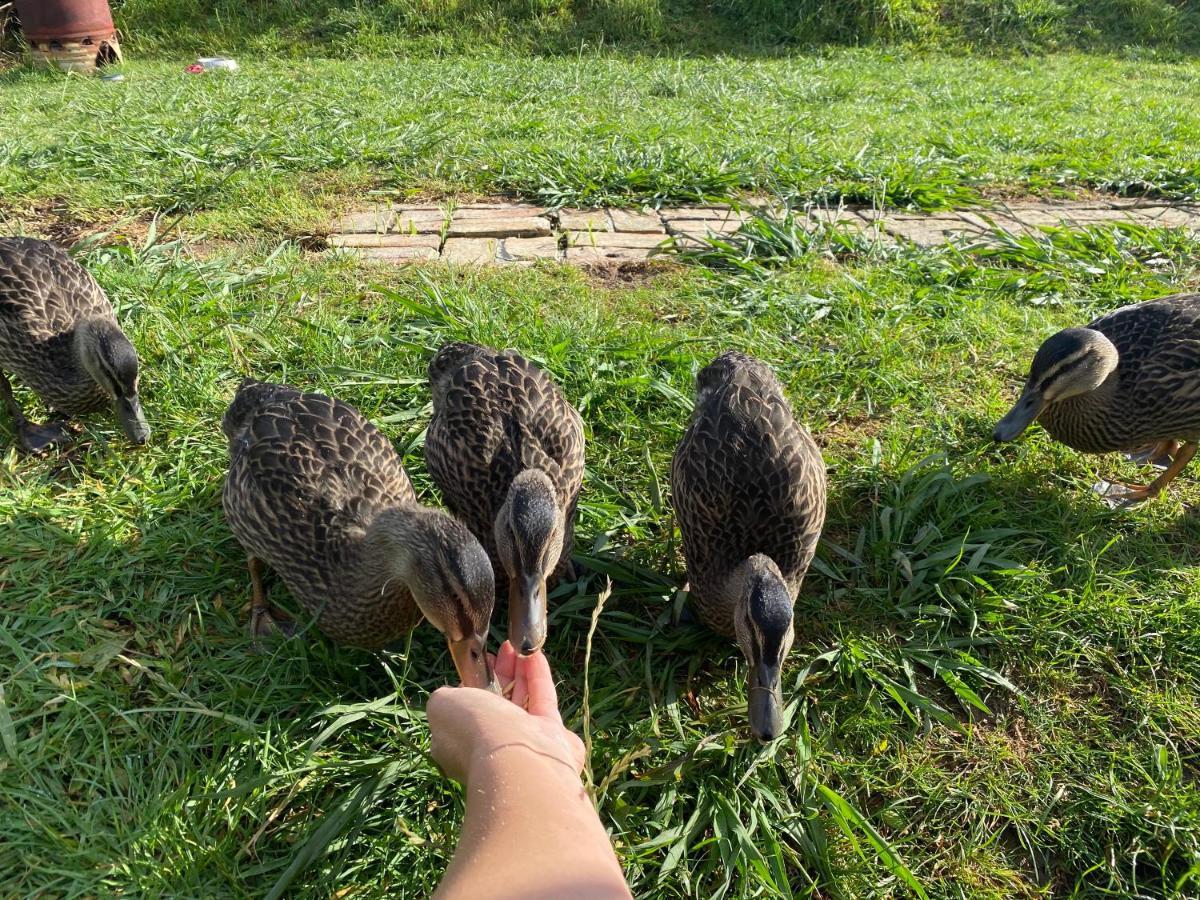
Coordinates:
column 850, row 430
column 628, row 274
column 310, row 243
column 54, row 220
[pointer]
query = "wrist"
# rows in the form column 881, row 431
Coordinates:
column 499, row 762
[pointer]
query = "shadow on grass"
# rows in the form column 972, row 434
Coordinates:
column 735, row 27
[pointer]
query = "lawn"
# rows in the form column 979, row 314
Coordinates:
column 277, row 149
column 994, row 687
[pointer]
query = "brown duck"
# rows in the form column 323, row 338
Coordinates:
column 748, row 486
column 317, row 493
column 506, row 448
column 59, row 335
column 1129, row 381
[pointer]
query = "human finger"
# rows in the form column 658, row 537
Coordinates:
column 520, row 688
column 506, row 663
column 542, row 698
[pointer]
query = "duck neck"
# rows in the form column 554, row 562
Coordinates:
column 389, row 550
column 90, row 348
column 1089, row 422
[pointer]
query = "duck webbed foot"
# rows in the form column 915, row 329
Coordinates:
column 36, row 439
column 1159, row 455
column 1119, row 495
column 265, row 619
column 32, row 438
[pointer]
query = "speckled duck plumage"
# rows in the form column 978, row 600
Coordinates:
column 1154, row 393
column 308, row 477
column 746, row 479
column 496, row 414
column 44, row 296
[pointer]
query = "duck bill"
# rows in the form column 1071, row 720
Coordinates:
column 1027, row 408
column 765, row 701
column 132, row 419
column 527, row 613
column 471, row 661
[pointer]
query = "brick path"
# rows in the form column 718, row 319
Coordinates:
column 520, row 234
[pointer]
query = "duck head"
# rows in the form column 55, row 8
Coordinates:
column 1071, row 363
column 108, row 356
column 450, row 578
column 529, row 538
column 762, row 621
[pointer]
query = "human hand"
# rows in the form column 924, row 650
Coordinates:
column 468, row 724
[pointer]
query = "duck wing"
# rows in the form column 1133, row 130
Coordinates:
column 496, row 414
column 43, row 291
column 307, row 475
column 746, row 478
column 1158, row 343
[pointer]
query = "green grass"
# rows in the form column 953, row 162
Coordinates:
column 994, row 687
column 560, row 26
column 994, row 671
column 278, row 147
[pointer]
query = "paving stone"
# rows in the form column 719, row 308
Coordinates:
column 843, row 218
column 759, row 201
column 470, row 251
column 399, row 254
column 584, row 220
column 525, row 226
column 606, row 256
column 384, row 240
column 368, row 221
column 702, row 212
column 992, row 221
column 976, row 220
column 1066, row 215
column 1105, row 203
column 1166, row 217
column 606, row 239
column 499, row 211
column 420, row 220
column 702, row 229
column 632, row 221
column 519, row 234
column 929, row 230
column 1122, row 202
column 519, row 249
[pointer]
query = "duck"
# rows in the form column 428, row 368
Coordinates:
column 506, row 449
column 748, row 489
column 317, row 493
column 60, row 337
column 1129, row 381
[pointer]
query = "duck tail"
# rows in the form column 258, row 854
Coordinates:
column 252, row 395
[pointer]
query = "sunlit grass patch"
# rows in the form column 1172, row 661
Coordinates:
column 991, row 678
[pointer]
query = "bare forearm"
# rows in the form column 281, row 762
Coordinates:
column 530, row 832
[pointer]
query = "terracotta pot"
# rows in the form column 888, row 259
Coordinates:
column 65, row 20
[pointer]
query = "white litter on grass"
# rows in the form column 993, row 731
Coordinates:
column 218, row 63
